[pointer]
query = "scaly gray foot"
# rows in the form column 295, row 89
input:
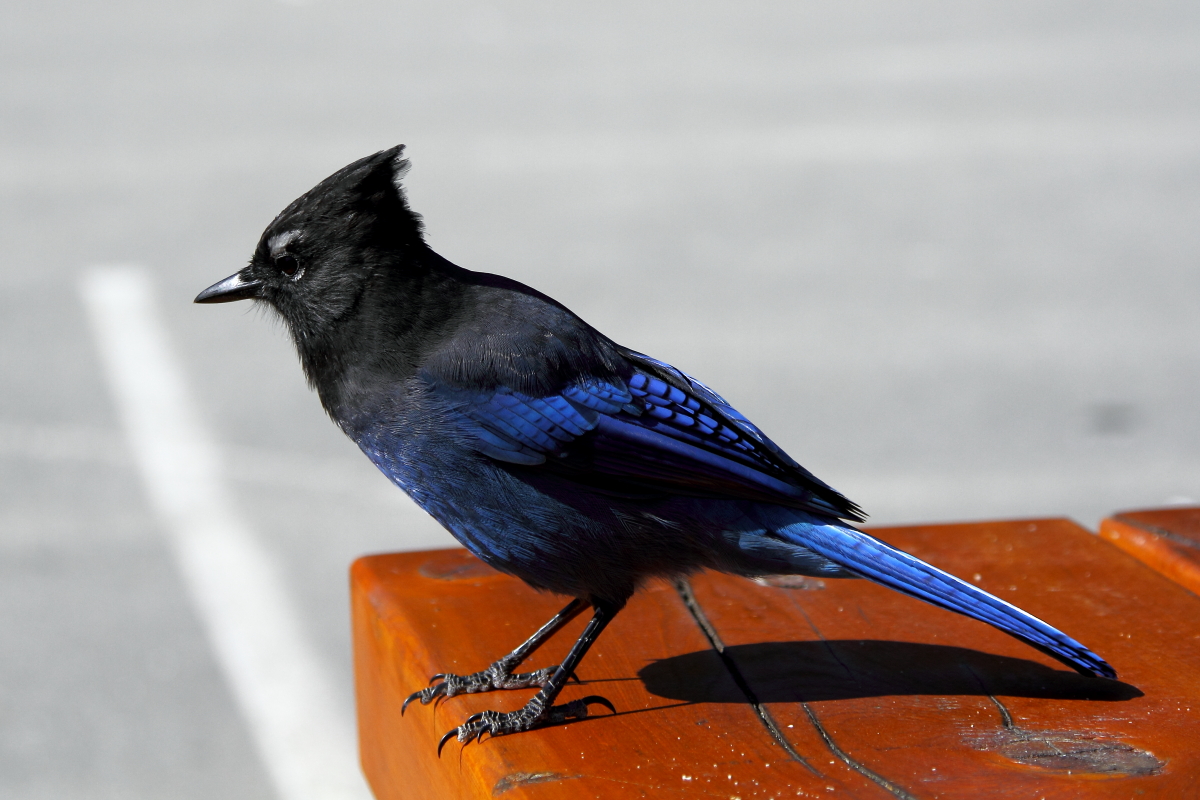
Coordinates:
column 497, row 676
column 533, row 715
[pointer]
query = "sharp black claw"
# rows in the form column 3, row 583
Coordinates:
column 411, row 697
column 472, row 718
column 574, row 677
column 439, row 676
column 595, row 698
column 446, row 738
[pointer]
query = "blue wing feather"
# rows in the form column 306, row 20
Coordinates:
column 510, row 426
column 656, row 429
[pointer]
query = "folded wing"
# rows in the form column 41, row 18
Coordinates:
column 655, row 430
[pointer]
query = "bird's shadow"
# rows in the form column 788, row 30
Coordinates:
column 781, row 672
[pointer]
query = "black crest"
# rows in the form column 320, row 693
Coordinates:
column 369, row 192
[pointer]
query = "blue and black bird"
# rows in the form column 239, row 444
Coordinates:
column 550, row 451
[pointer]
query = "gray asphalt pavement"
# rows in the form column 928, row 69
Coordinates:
column 945, row 254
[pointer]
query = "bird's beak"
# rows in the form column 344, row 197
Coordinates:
column 235, row 287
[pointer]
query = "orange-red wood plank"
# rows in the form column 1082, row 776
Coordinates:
column 934, row 702
column 420, row 613
column 878, row 695
column 1166, row 539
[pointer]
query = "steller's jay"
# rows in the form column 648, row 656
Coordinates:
column 550, row 451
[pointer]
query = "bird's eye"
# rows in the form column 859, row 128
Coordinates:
column 287, row 264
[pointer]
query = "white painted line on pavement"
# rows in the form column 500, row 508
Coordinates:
column 306, row 741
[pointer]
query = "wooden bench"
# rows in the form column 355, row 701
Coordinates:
column 726, row 687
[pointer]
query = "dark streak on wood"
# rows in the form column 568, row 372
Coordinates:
column 858, row 767
column 455, row 567
column 689, row 601
column 515, row 779
column 1072, row 752
column 1158, row 530
column 1065, row 751
column 790, row 582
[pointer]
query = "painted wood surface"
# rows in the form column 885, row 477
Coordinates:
column 1165, row 539
column 731, row 688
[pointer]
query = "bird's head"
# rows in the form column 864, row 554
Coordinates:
column 315, row 259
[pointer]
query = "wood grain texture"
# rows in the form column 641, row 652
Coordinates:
column 1165, row 539
column 876, row 695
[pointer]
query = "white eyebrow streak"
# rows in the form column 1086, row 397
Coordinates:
column 281, row 240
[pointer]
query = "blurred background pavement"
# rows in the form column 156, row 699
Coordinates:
column 945, row 254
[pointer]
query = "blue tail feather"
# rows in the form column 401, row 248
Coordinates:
column 884, row 564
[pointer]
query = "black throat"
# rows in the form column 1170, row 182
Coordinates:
column 402, row 313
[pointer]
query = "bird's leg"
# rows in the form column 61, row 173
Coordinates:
column 539, row 710
column 500, row 674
